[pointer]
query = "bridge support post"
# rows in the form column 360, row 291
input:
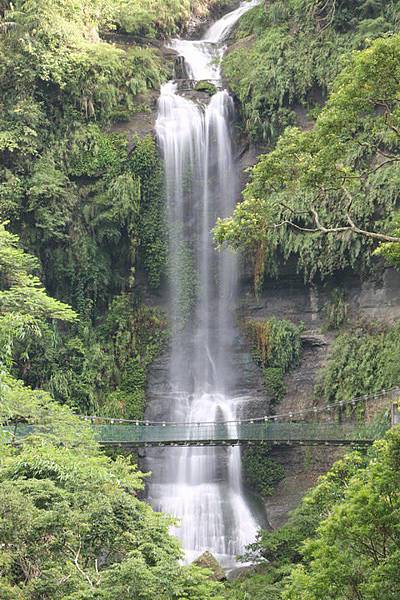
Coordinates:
column 395, row 414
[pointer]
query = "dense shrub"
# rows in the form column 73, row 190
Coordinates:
column 363, row 360
column 276, row 347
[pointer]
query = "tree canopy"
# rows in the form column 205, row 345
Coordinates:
column 341, row 175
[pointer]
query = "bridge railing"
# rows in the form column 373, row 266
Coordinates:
column 218, row 432
column 343, row 410
column 278, row 428
column 236, row 432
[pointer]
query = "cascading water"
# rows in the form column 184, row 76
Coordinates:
column 201, row 486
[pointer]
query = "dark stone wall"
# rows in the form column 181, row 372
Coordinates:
column 376, row 298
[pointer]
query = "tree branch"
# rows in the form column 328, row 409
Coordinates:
column 78, row 567
column 351, row 227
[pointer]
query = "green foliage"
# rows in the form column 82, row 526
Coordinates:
column 288, row 53
column 71, row 188
column 58, row 52
column 93, row 152
column 97, row 370
column 24, row 304
column 146, row 164
column 260, row 471
column 391, row 250
column 345, row 170
column 87, row 205
column 206, row 86
column 276, row 348
column 336, row 310
column 276, row 342
column 356, row 548
column 278, row 552
column 70, row 521
column 21, row 291
column 362, row 361
column 274, row 383
column 160, row 18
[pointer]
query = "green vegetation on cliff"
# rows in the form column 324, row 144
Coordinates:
column 276, row 347
column 342, row 175
column 89, row 205
column 160, row 18
column 71, row 525
column 364, row 359
column 288, row 52
column 261, row 473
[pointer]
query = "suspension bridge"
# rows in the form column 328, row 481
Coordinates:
column 351, row 423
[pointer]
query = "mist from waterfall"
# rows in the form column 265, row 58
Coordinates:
column 202, row 486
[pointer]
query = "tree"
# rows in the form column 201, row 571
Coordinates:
column 357, row 547
column 338, row 181
column 71, row 525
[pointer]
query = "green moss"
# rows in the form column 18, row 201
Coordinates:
column 261, row 472
column 207, row 87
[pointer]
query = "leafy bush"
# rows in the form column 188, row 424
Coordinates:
column 362, row 361
column 207, row 87
column 278, row 552
column 274, row 383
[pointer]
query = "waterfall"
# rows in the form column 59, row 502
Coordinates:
column 201, row 486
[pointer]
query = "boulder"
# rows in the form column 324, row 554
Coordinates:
column 208, row 561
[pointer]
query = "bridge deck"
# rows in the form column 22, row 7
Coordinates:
column 221, row 434
column 131, row 435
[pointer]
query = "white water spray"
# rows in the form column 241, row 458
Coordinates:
column 201, row 486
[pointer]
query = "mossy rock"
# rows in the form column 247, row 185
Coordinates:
column 207, row 87
column 208, row 561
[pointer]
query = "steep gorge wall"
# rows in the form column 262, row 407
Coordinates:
column 372, row 299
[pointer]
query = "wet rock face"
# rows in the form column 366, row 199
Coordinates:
column 303, row 467
column 180, row 68
column 373, row 298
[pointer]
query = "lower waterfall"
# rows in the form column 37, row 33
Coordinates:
column 201, row 486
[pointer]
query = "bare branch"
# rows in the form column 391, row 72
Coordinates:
column 78, row 567
column 320, row 228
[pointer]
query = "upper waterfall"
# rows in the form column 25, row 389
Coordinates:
column 203, row 57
